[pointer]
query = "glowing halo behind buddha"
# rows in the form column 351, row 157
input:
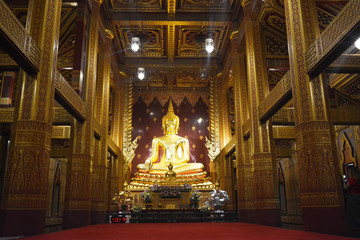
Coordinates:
column 175, row 149
column 170, row 154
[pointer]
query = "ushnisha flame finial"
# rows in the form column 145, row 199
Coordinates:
column 170, row 116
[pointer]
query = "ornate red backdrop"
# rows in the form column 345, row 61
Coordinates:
column 194, row 122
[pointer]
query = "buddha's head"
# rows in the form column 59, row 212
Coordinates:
column 170, row 122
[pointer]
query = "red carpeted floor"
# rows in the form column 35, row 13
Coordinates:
column 188, row 231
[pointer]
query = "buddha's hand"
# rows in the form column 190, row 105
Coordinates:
column 148, row 164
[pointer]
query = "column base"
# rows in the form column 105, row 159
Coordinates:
column 97, row 217
column 22, row 222
column 324, row 220
column 247, row 215
column 73, row 219
column 268, row 217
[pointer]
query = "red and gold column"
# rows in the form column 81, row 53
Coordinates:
column 7, row 89
column 78, row 188
column 266, row 201
column 99, row 184
column 25, row 192
column 319, row 174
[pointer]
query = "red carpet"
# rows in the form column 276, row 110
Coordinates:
column 188, row 231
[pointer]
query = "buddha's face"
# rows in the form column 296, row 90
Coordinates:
column 170, row 126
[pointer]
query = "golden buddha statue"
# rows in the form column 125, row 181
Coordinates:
column 175, row 150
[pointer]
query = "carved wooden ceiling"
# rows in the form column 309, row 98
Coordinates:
column 171, row 31
column 172, row 34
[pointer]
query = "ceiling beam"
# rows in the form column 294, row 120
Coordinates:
column 164, row 62
column 335, row 39
column 171, row 7
column 346, row 63
column 332, row 2
column 179, row 19
column 171, row 42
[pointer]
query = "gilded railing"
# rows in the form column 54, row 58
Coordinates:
column 15, row 33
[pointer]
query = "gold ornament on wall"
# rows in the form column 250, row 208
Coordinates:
column 213, row 151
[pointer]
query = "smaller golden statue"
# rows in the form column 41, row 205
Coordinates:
column 170, row 175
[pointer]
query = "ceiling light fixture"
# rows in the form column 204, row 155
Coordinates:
column 135, row 44
column 141, row 73
column 209, row 45
column 357, row 43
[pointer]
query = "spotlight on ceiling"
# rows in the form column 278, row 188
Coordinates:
column 135, row 44
column 141, row 73
column 357, row 43
column 209, row 45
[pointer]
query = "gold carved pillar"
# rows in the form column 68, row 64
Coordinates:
column 266, row 201
column 319, row 175
column 79, row 63
column 244, row 164
column 116, row 123
column 26, row 181
column 99, row 184
column 116, row 135
column 224, row 110
column 78, row 188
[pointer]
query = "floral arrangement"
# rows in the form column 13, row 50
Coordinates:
column 185, row 187
column 195, row 197
column 205, row 208
column 137, row 209
column 155, row 188
column 170, row 192
column 146, row 196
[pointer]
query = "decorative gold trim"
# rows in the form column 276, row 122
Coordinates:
column 171, row 7
column 109, row 33
column 171, row 42
column 129, row 146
